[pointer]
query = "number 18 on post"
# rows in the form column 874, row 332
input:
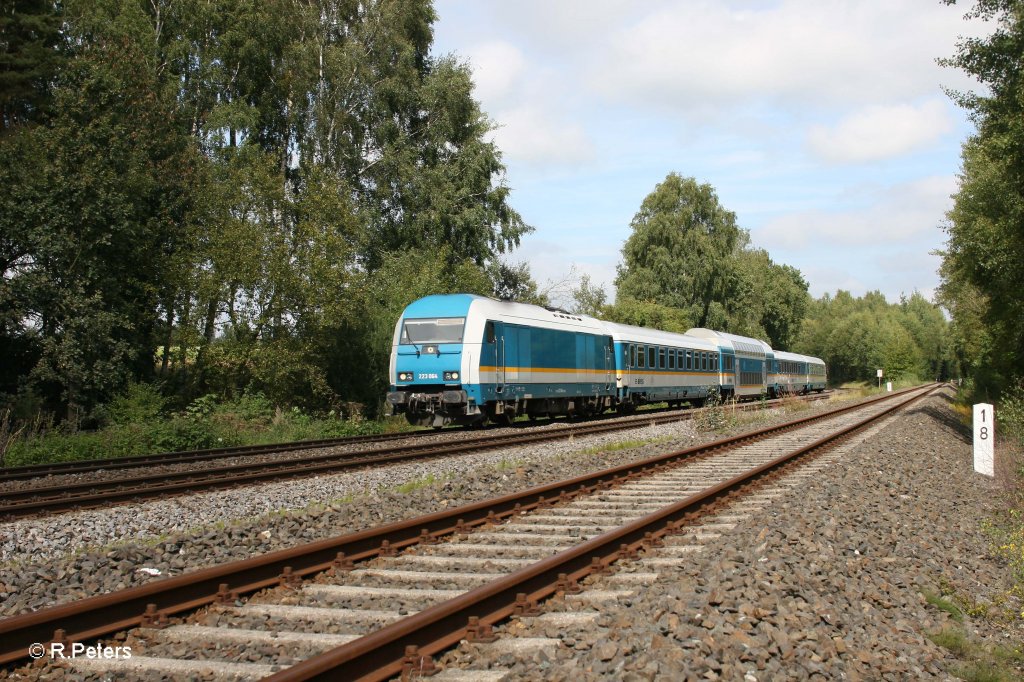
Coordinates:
column 984, row 439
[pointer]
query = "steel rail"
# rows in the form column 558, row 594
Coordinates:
column 384, row 653
column 76, row 496
column 107, row 613
column 190, row 456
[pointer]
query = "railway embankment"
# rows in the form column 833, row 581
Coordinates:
column 879, row 567
column 874, row 565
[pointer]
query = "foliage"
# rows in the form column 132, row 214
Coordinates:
column 1010, row 413
column 206, row 422
column 588, row 298
column 983, row 264
column 647, row 314
column 688, row 254
column 240, row 183
column 357, row 352
column 30, row 55
column 857, row 336
column 514, row 283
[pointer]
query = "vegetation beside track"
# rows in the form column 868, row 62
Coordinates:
column 138, row 423
column 981, row 662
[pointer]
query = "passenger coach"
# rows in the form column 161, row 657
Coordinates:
column 655, row 366
column 745, row 370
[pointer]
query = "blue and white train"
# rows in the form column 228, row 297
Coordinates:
column 462, row 358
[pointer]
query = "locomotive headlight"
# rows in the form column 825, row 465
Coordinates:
column 451, row 376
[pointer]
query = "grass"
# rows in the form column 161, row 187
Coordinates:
column 507, row 464
column 942, row 603
column 978, row 662
column 417, row 484
column 145, row 428
column 624, row 445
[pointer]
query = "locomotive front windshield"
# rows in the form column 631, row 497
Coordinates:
column 434, row 330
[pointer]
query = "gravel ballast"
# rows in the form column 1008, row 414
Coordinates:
column 824, row 583
column 828, row 582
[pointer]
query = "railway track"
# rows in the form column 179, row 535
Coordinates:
column 109, row 464
column 381, row 602
column 31, row 500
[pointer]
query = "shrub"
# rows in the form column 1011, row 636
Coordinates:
column 1010, row 413
column 139, row 403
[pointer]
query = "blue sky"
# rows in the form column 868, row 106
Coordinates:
column 822, row 124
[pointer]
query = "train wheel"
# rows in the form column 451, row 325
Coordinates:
column 504, row 418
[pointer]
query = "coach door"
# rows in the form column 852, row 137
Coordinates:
column 494, row 334
column 609, row 363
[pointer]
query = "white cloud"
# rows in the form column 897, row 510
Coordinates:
column 903, row 213
column 540, row 137
column 497, row 72
column 824, row 280
column 881, row 132
column 696, row 56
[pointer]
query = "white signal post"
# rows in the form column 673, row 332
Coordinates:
column 984, row 439
column 880, row 374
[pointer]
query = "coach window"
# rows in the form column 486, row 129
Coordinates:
column 661, row 358
column 671, row 358
column 714, row 362
column 651, row 357
column 640, row 356
column 632, row 355
column 704, row 362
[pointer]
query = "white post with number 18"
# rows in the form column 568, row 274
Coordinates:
column 984, row 439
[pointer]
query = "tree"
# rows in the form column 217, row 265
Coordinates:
column 983, row 264
column 225, row 182
column 857, row 336
column 687, row 252
column 93, row 199
column 681, row 251
column 588, row 298
column 514, row 283
column 30, row 58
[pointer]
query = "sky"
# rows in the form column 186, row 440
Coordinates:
column 823, row 124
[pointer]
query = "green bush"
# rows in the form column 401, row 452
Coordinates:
column 136, row 427
column 139, row 403
column 1010, row 413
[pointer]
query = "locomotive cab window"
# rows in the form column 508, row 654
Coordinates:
column 433, row 330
